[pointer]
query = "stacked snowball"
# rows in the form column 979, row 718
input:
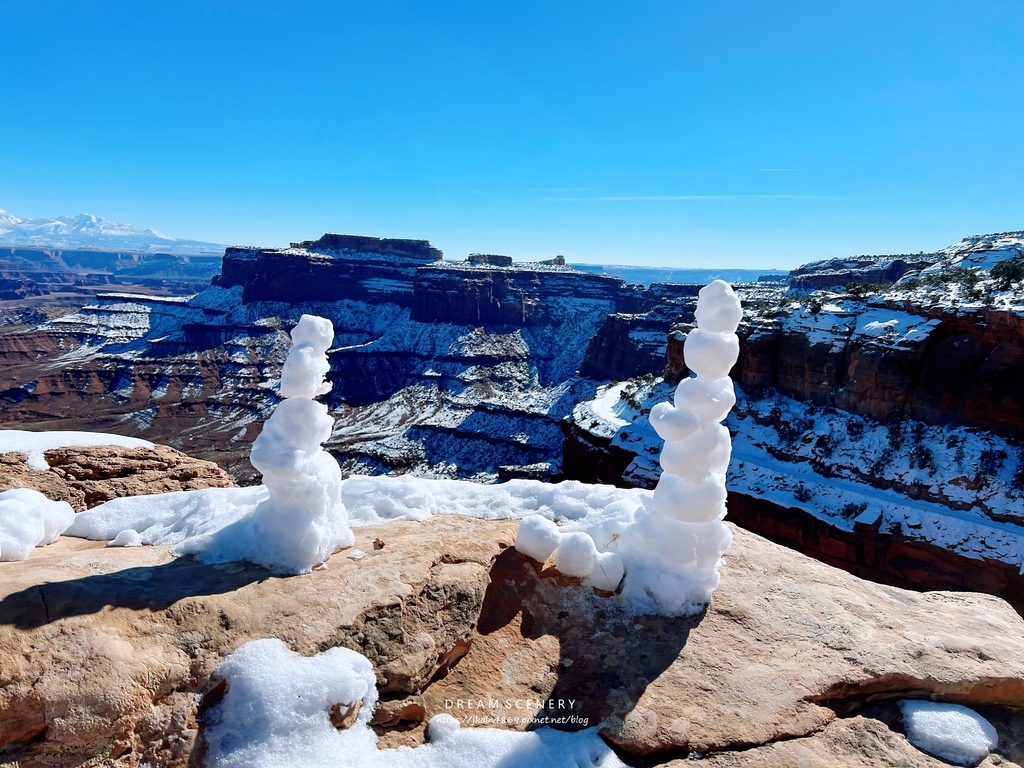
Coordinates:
column 672, row 549
column 304, row 521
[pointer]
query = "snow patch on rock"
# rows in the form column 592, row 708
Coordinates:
column 277, row 711
column 27, row 520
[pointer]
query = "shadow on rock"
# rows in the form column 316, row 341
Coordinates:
column 152, row 588
column 606, row 656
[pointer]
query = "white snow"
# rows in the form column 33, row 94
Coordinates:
column 575, row 554
column 35, row 444
column 296, row 520
column 28, row 519
column 673, row 548
column 949, row 731
column 537, row 538
column 276, row 712
column 670, row 546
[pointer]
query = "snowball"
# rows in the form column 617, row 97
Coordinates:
column 608, row 571
column 297, row 425
column 710, row 355
column 691, row 502
column 304, row 372
column 673, row 423
column 709, row 399
column 28, row 519
column 126, row 538
column 718, row 308
column 442, row 727
column 704, row 453
column 537, row 537
column 949, row 731
column 575, row 554
column 313, row 331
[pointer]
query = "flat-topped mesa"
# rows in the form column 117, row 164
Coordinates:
column 333, row 268
column 419, row 250
column 489, row 259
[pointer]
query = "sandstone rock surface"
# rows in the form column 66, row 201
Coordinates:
column 106, row 654
column 85, row 477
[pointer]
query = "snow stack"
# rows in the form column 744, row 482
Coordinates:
column 673, row 548
column 304, row 521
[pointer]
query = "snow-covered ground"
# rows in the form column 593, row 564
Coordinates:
column 276, row 712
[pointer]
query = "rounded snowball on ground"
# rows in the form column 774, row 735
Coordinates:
column 711, row 355
column 442, row 726
column 949, row 731
column 537, row 537
column 608, row 571
column 126, row 538
column 718, row 308
column 575, row 554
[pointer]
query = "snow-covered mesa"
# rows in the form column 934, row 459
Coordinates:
column 276, row 712
column 671, row 548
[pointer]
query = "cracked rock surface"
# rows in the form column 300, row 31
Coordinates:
column 106, row 655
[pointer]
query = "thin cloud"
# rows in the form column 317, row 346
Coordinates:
column 678, row 198
column 777, row 170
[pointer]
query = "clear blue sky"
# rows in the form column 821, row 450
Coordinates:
column 691, row 134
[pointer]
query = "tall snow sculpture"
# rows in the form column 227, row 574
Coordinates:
column 673, row 548
column 304, row 521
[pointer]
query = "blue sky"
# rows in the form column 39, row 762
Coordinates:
column 689, row 134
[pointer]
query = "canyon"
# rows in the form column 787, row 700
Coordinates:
column 890, row 416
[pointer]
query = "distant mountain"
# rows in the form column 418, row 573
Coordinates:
column 94, row 233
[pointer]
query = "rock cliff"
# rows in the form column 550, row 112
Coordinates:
column 109, row 653
column 452, row 368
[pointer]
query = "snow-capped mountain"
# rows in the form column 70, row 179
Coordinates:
column 92, row 232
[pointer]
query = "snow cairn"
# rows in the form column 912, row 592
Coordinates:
column 671, row 551
column 304, row 521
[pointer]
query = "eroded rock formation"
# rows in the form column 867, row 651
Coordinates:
column 85, row 477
